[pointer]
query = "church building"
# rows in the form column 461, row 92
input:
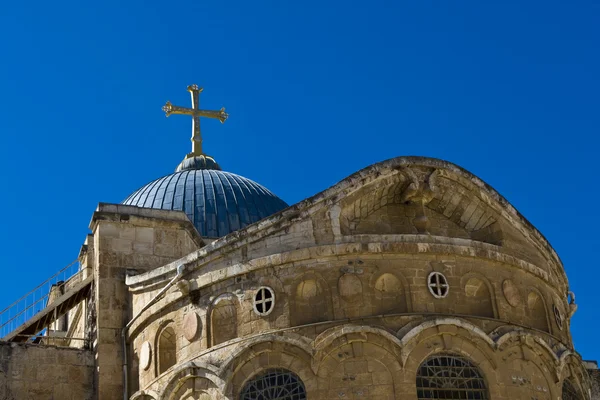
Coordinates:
column 411, row 279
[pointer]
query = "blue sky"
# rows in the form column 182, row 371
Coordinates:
column 316, row 91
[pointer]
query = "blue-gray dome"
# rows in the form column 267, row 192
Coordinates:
column 198, row 162
column 217, row 202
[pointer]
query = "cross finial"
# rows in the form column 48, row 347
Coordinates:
column 196, row 113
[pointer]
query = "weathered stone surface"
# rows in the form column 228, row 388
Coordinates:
column 45, row 372
column 347, row 274
column 145, row 355
column 353, row 316
column 191, row 326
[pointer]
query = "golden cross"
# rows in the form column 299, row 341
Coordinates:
column 196, row 113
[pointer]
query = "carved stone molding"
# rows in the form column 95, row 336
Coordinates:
column 419, row 192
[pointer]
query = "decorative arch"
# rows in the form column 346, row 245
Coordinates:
column 310, row 300
column 480, row 296
column 194, row 388
column 223, row 319
column 450, row 376
column 417, row 199
column 537, row 311
column 434, row 327
column 238, row 351
column 569, row 391
column 571, row 370
column 531, row 371
column 391, row 293
column 449, row 335
column 193, row 381
column 357, row 362
column 166, row 348
column 144, row 395
column 523, row 337
column 334, row 337
column 268, row 352
column 274, row 384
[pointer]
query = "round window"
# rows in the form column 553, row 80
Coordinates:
column 438, row 285
column 264, row 300
column 558, row 316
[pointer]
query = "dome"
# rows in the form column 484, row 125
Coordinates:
column 217, row 202
column 198, row 162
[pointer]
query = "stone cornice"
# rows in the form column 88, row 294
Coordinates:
column 302, row 210
column 352, row 245
column 204, row 275
column 122, row 213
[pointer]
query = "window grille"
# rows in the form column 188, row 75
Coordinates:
column 438, row 285
column 569, row 392
column 558, row 316
column 445, row 376
column 264, row 300
column 274, row 384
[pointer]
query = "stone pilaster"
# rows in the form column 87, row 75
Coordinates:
column 128, row 238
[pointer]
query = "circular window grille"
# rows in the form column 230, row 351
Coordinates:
column 438, row 285
column 264, row 300
column 445, row 376
column 569, row 392
column 274, row 384
column 558, row 316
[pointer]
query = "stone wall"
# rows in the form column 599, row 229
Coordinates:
column 356, row 312
column 594, row 372
column 364, row 361
column 39, row 372
column 328, row 292
column 128, row 238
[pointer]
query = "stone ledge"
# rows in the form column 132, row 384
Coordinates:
column 122, row 213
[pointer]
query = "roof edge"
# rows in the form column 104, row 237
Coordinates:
column 291, row 214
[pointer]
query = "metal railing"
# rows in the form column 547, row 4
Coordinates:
column 39, row 298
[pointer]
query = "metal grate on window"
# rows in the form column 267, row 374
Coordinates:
column 274, row 384
column 569, row 392
column 446, row 376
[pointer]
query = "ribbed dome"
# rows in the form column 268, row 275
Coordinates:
column 217, row 202
column 198, row 162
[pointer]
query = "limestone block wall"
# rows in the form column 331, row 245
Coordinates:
column 353, row 301
column 128, row 238
column 594, row 372
column 364, row 360
column 384, row 288
column 595, row 378
column 41, row 372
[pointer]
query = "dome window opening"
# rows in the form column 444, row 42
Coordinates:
column 438, row 285
column 558, row 316
column 274, row 384
column 264, row 300
column 446, row 376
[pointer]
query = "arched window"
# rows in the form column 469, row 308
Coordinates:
column 167, row 350
column 569, row 392
column 274, row 384
column 446, row 376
